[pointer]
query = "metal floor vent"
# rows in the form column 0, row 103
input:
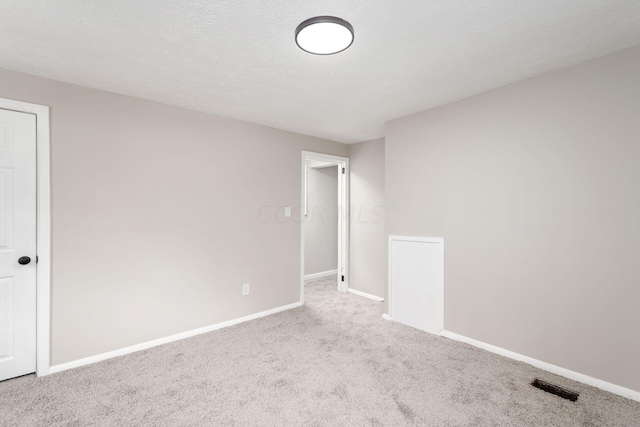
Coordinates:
column 555, row 389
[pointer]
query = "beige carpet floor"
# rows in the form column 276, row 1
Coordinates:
column 333, row 362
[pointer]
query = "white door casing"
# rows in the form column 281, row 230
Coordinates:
column 343, row 215
column 17, row 239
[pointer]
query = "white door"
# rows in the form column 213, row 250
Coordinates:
column 416, row 282
column 17, row 244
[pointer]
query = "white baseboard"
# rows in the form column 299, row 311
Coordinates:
column 149, row 344
column 364, row 294
column 321, row 274
column 387, row 317
column 563, row 372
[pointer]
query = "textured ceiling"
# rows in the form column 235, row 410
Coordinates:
column 238, row 58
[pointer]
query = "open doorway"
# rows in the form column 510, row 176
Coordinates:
column 325, row 219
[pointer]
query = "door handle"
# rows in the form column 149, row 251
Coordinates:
column 24, row 260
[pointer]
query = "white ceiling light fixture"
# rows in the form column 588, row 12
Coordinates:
column 324, row 35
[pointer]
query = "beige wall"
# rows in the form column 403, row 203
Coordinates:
column 160, row 215
column 367, row 251
column 536, row 189
column 321, row 223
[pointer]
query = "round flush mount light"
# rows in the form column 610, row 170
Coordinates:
column 324, row 35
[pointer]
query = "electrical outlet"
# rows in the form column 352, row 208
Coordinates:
column 246, row 289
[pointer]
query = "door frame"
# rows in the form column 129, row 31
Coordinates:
column 43, row 229
column 343, row 215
